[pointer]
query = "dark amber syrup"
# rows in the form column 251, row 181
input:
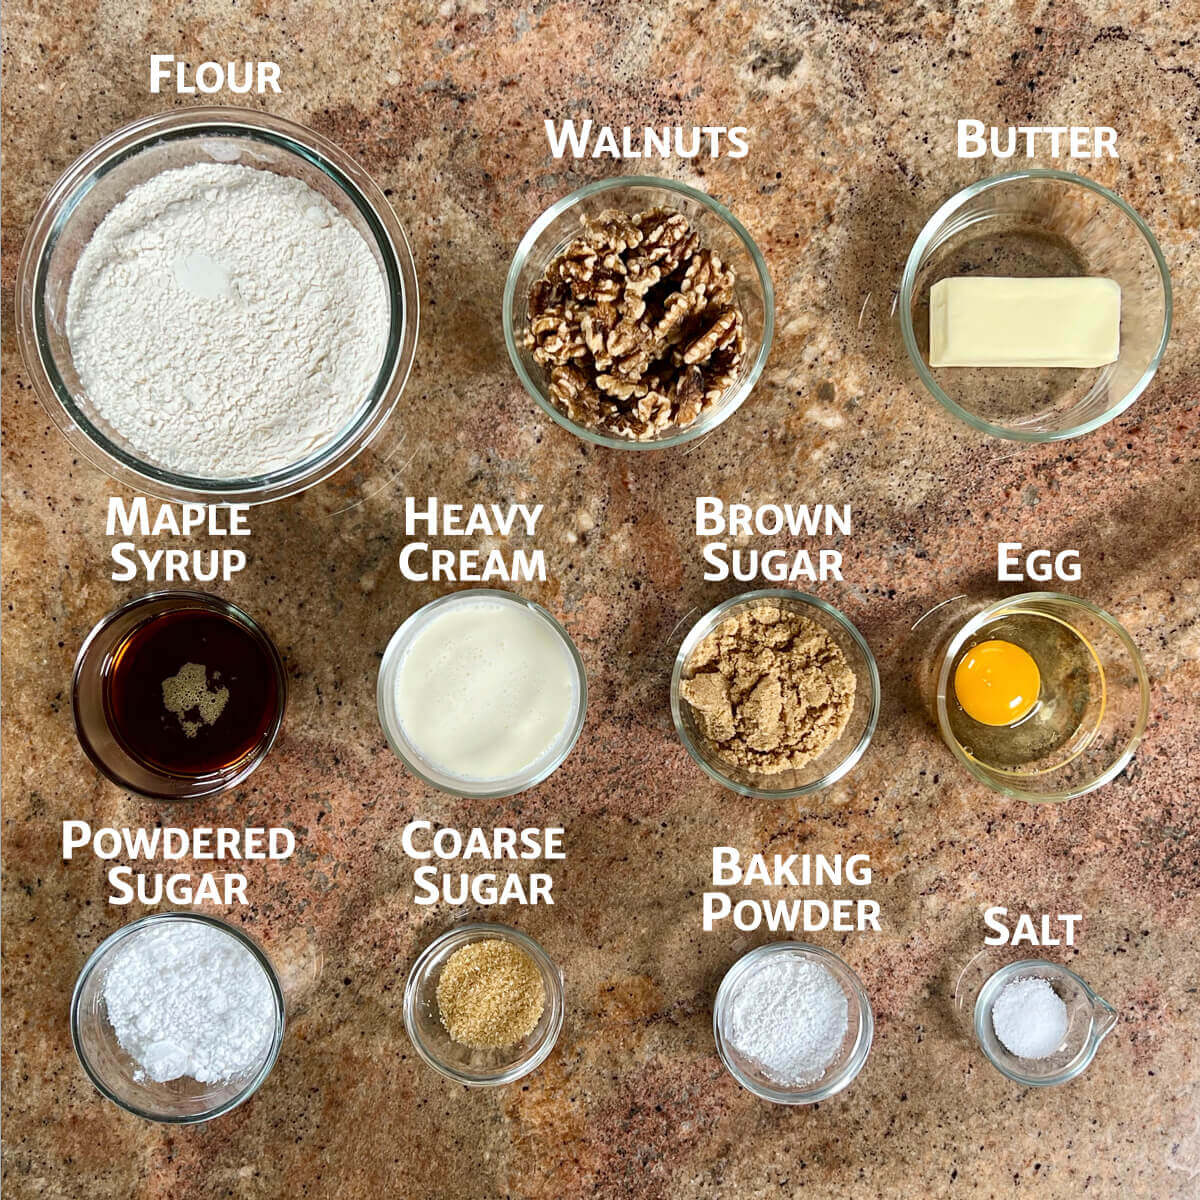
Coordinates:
column 221, row 699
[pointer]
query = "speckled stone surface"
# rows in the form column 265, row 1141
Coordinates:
column 851, row 110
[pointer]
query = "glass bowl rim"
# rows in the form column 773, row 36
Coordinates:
column 846, row 976
column 991, row 988
column 614, row 183
column 298, row 141
column 989, row 613
column 397, row 646
column 472, row 931
column 252, row 1085
column 213, row 603
column 909, row 277
column 707, row 623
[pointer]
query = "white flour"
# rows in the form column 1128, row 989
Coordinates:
column 186, row 999
column 789, row 1016
column 226, row 321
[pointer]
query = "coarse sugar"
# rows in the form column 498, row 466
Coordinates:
column 490, row 994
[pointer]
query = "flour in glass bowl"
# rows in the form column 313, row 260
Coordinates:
column 226, row 321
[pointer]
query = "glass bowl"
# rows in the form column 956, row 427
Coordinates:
column 478, row 1068
column 1112, row 697
column 100, row 179
column 183, row 1101
column 1040, row 223
column 860, row 1027
column 838, row 758
column 1090, row 1020
column 90, row 682
column 411, row 756
column 719, row 229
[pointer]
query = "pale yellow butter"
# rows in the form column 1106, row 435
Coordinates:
column 997, row 321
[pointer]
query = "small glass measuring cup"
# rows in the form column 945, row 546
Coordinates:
column 1090, row 1019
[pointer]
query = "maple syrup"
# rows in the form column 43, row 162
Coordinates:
column 192, row 692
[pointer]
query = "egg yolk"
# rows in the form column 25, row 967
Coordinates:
column 997, row 683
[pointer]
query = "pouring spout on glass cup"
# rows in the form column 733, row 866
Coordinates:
column 1104, row 1019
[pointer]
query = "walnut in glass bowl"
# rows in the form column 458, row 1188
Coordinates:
column 636, row 324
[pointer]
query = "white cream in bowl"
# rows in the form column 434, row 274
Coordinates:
column 486, row 689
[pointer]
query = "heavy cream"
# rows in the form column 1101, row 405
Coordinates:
column 486, row 690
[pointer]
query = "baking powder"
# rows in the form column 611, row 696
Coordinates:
column 187, row 999
column 226, row 321
column 790, row 1017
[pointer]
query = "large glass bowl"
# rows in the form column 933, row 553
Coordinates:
column 838, row 757
column 100, row 179
column 479, row 1068
column 851, row 1056
column 182, row 1101
column 719, row 230
column 1040, row 223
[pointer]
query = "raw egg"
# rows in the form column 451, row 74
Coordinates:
column 997, row 683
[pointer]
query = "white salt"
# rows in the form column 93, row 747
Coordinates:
column 1029, row 1018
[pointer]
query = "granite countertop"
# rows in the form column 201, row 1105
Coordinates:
column 851, row 110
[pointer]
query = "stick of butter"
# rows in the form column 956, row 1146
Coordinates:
column 997, row 321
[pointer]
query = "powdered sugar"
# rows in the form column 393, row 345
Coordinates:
column 226, row 321
column 188, row 999
column 790, row 1016
column 1030, row 1018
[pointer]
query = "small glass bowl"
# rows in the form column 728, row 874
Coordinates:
column 462, row 1064
column 1090, row 1020
column 100, row 179
column 181, row 1101
column 411, row 756
column 1040, row 223
column 1116, row 715
column 837, row 759
column 860, row 1027
column 719, row 230
column 90, row 681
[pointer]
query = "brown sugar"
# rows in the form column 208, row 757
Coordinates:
column 490, row 995
column 769, row 689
